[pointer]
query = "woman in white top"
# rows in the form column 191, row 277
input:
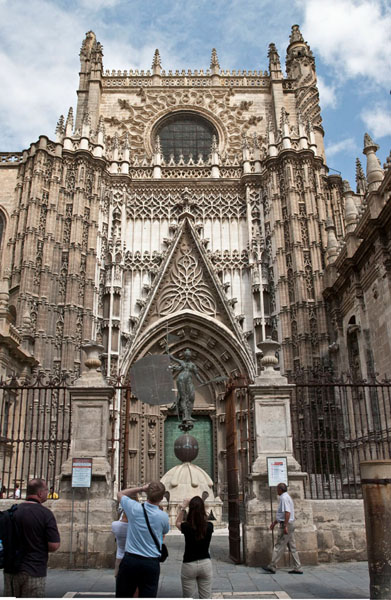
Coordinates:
column 120, row 529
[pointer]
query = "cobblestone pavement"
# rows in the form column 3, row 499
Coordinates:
column 336, row 580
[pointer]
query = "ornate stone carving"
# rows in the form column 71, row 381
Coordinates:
column 186, row 287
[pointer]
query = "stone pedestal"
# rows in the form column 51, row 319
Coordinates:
column 272, row 393
column 90, row 399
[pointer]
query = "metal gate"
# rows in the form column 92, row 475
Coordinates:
column 239, row 428
column 338, row 422
column 35, row 428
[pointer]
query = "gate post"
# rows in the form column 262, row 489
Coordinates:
column 376, row 487
column 90, row 402
column 273, row 438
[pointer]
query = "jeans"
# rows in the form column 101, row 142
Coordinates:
column 137, row 572
column 197, row 573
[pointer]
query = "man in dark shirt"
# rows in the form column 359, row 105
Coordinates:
column 39, row 536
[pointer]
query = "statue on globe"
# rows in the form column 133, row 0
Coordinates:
column 185, row 389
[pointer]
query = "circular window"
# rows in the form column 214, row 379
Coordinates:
column 184, row 135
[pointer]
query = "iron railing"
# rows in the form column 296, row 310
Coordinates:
column 337, row 423
column 35, row 428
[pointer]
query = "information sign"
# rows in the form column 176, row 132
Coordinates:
column 277, row 471
column 81, row 472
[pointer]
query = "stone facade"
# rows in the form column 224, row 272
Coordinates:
column 108, row 236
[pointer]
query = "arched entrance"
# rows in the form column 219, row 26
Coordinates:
column 152, row 429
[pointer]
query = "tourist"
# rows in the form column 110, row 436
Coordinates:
column 140, row 567
column 197, row 565
column 285, row 518
column 17, row 492
column 38, row 536
column 52, row 495
column 120, row 530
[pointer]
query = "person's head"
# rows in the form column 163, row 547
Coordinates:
column 197, row 517
column 155, row 492
column 187, row 354
column 281, row 488
column 38, row 489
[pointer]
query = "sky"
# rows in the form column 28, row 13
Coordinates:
column 351, row 40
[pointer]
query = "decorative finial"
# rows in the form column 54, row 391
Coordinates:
column 156, row 63
column 361, row 181
column 60, row 126
column 369, row 143
column 69, row 123
column 296, row 35
column 214, row 61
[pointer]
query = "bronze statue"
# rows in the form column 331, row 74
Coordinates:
column 185, row 387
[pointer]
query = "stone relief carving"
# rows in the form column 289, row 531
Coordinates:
column 186, row 287
column 138, row 120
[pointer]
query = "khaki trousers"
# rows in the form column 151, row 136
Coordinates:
column 282, row 542
column 197, row 573
column 23, row 585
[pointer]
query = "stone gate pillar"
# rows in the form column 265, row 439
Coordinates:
column 272, row 396
column 90, row 431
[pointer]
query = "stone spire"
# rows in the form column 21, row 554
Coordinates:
column 69, row 123
column 361, row 182
column 214, row 62
column 332, row 242
column 274, row 62
column 60, row 129
column 351, row 211
column 157, row 159
column 374, row 171
column 156, row 63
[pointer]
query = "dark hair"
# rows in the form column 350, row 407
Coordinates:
column 34, row 486
column 197, row 517
column 155, row 491
column 283, row 487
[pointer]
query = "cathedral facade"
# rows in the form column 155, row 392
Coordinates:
column 192, row 209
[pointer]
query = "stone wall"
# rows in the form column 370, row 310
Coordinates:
column 340, row 529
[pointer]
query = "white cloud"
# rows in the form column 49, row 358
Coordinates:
column 327, row 94
column 377, row 119
column 345, row 145
column 351, row 36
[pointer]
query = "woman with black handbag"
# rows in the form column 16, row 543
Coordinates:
column 197, row 565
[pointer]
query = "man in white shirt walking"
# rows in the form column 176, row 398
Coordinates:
column 285, row 518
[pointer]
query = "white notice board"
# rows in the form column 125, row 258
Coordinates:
column 81, row 472
column 277, row 470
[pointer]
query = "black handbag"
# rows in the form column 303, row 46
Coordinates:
column 163, row 549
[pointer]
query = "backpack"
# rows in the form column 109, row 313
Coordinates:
column 10, row 554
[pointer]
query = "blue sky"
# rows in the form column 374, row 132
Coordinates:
column 351, row 40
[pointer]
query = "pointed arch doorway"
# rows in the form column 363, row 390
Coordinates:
column 216, row 351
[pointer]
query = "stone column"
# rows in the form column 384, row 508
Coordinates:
column 272, row 395
column 90, row 417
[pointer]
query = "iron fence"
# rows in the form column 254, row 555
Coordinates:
column 35, row 428
column 337, row 423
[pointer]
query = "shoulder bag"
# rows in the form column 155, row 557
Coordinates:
column 163, row 549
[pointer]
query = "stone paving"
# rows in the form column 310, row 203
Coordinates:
column 336, row 580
